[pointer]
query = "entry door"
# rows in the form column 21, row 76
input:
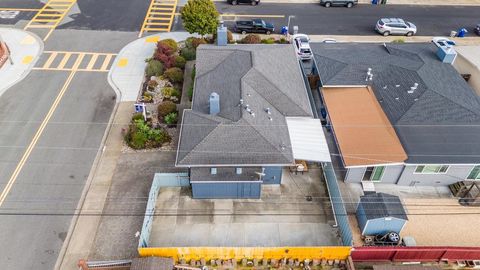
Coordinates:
column 374, row 174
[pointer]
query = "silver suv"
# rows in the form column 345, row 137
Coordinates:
column 395, row 26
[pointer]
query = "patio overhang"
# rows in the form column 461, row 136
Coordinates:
column 307, row 139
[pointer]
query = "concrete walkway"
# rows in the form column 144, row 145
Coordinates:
column 126, row 74
column 25, row 49
column 472, row 40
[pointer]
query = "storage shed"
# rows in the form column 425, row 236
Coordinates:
column 380, row 213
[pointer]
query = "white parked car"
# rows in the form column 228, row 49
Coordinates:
column 302, row 46
column 395, row 26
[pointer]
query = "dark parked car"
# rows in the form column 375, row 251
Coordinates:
column 254, row 26
column 251, row 2
column 477, row 29
column 344, row 3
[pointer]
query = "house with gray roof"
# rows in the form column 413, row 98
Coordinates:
column 248, row 105
column 433, row 112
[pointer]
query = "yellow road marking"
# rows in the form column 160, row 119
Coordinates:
column 34, row 141
column 64, row 60
column 50, row 60
column 154, row 39
column 167, row 13
column 122, row 62
column 106, row 62
column 20, row 9
column 27, row 59
column 92, row 61
column 59, row 7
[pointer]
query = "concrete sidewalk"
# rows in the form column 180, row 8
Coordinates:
column 25, row 49
column 126, row 74
column 378, row 38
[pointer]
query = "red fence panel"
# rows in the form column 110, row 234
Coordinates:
column 415, row 254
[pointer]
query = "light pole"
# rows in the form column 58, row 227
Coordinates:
column 288, row 24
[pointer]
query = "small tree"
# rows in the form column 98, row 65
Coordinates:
column 200, row 16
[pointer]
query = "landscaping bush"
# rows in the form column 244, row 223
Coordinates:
column 268, row 41
column 147, row 97
column 174, row 74
column 137, row 116
column 171, row 118
column 154, row 68
column 188, row 42
column 170, row 92
column 172, row 44
column 141, row 136
column 188, row 53
column 165, row 55
column 398, row 40
column 283, row 40
column 197, row 42
column 199, row 16
column 166, row 107
column 252, row 39
column 180, row 62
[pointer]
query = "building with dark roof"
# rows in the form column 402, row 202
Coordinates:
column 248, row 101
column 434, row 112
column 380, row 213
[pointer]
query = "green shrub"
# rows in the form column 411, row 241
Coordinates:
column 154, row 68
column 166, row 107
column 268, row 41
column 188, row 42
column 283, row 40
column 188, row 53
column 152, row 84
column 147, row 97
column 194, row 70
column 252, row 39
column 180, row 62
column 172, row 44
column 175, row 75
column 170, row 92
column 141, row 136
column 190, row 91
column 137, row 116
column 171, row 118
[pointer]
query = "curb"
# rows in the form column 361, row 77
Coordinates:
column 31, row 65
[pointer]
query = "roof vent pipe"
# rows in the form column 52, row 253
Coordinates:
column 214, row 101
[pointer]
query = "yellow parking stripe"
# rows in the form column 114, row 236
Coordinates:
column 159, row 10
column 50, row 60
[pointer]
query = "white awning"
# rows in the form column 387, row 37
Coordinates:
column 308, row 140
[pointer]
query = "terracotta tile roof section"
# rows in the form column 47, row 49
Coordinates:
column 363, row 132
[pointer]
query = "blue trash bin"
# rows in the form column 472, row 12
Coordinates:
column 284, row 30
column 374, row 2
column 462, row 32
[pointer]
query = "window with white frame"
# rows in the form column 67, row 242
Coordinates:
column 426, row 169
column 213, row 170
column 238, row 170
column 474, row 174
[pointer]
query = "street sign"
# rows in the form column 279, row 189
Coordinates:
column 141, row 108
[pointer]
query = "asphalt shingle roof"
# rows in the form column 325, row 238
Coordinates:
column 264, row 77
column 439, row 123
column 380, row 205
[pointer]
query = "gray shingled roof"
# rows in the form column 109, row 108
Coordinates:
column 264, row 76
column 439, row 123
column 380, row 205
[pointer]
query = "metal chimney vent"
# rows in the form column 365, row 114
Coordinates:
column 214, row 101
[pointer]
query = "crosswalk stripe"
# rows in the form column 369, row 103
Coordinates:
column 64, row 60
column 50, row 60
column 92, row 62
column 106, row 62
column 159, row 10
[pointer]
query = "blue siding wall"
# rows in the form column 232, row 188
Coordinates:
column 273, row 175
column 361, row 218
column 381, row 226
column 226, row 190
